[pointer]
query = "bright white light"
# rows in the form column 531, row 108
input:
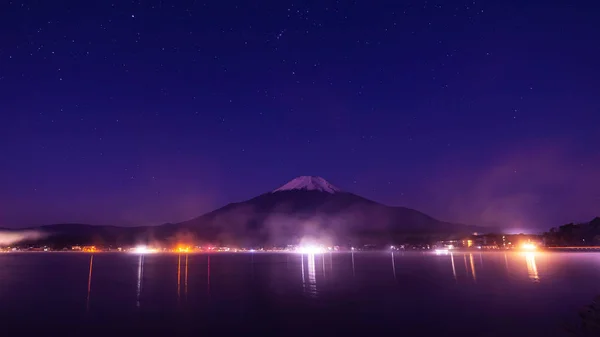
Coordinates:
column 310, row 249
column 528, row 246
column 143, row 250
column 441, row 251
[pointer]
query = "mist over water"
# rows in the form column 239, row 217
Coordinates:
column 11, row 238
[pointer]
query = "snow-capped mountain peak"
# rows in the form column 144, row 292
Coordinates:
column 309, row 183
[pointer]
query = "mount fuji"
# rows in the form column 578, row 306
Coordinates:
column 305, row 207
column 309, row 183
column 312, row 206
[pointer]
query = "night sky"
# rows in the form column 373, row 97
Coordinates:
column 146, row 112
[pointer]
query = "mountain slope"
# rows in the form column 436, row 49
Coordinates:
column 305, row 207
column 311, row 206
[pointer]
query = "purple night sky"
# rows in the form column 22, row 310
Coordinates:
column 146, row 112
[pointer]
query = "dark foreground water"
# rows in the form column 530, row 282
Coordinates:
column 259, row 294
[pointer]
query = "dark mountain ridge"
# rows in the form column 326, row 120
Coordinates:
column 304, row 207
column 279, row 216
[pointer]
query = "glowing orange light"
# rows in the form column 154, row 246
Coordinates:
column 183, row 249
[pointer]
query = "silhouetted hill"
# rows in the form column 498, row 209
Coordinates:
column 286, row 215
column 304, row 207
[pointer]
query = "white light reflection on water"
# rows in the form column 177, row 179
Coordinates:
column 393, row 265
column 353, row 271
column 303, row 277
column 309, row 279
column 139, row 280
column 312, row 280
column 453, row 267
column 532, row 267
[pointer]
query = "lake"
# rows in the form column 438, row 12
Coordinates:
column 288, row 294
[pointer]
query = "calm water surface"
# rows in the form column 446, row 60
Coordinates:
column 366, row 294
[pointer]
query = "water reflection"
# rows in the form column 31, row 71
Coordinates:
column 186, row 275
column 393, row 266
column 310, row 286
column 453, row 267
column 532, row 267
column 139, row 280
column 312, row 280
column 89, row 288
column 323, row 263
column 331, row 262
column 178, row 277
column 208, row 274
column 353, row 271
column 303, row 278
column 527, row 308
column 472, row 268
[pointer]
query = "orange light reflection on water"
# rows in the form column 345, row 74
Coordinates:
column 473, row 268
column 532, row 270
column 89, row 288
column 186, row 275
column 178, row 277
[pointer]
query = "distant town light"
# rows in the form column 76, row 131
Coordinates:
column 310, row 249
column 528, row 246
column 143, row 250
column 183, row 248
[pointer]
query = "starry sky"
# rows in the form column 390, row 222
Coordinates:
column 146, row 112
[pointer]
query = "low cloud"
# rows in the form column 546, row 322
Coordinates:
column 537, row 186
column 11, row 238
